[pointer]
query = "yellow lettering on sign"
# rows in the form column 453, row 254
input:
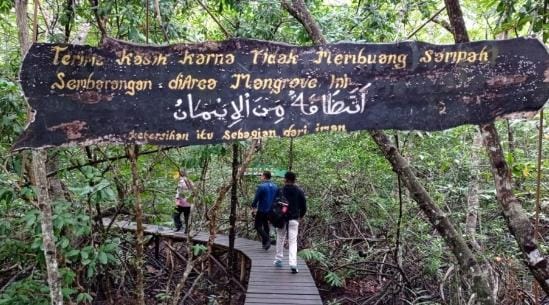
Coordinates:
column 294, row 132
column 274, row 85
column 61, row 57
column 169, row 135
column 321, row 128
column 455, row 57
column 129, row 87
column 264, row 57
column 188, row 82
column 252, row 134
column 189, row 58
column 398, row 61
column 128, row 58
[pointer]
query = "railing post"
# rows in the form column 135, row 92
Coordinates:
column 156, row 246
column 242, row 267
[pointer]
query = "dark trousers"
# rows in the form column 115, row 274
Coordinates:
column 262, row 227
column 177, row 217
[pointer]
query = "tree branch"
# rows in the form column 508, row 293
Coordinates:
column 95, row 162
column 100, row 24
column 299, row 11
column 159, row 19
column 443, row 23
column 456, row 21
column 227, row 34
column 426, row 22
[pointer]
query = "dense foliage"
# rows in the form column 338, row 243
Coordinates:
column 349, row 234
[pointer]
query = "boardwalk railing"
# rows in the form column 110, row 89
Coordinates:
column 267, row 285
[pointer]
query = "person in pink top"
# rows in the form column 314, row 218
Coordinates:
column 182, row 201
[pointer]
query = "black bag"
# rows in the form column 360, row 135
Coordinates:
column 279, row 211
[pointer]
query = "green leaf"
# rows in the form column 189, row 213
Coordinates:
column 198, row 249
column 111, row 257
column 84, row 297
column 81, row 191
column 64, row 242
column 5, row 6
column 110, row 247
column 67, row 291
column 68, row 276
column 91, row 271
column 103, row 259
column 6, row 195
column 333, row 279
column 30, row 219
column 312, row 255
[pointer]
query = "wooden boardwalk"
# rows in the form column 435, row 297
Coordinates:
column 267, row 284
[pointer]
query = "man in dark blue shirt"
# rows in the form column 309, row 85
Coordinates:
column 261, row 207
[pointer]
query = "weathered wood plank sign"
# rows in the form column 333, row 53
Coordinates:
column 242, row 89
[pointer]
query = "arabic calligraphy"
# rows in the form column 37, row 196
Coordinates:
column 245, row 106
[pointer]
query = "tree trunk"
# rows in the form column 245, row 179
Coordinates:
column 23, row 25
column 456, row 21
column 231, row 266
column 472, row 218
column 299, row 11
column 438, row 219
column 234, row 203
column 140, row 286
column 472, row 196
column 517, row 220
column 510, row 138
column 48, row 238
column 38, row 173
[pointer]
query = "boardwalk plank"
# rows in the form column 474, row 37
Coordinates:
column 283, row 290
column 282, row 284
column 284, row 270
column 252, row 295
column 278, row 302
column 262, row 281
column 267, row 285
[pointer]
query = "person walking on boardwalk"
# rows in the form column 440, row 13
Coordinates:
column 261, row 207
column 182, row 201
column 297, row 207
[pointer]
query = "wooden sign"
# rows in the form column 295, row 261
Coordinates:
column 245, row 89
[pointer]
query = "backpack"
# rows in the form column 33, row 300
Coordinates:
column 279, row 211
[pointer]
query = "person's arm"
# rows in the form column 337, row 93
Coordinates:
column 257, row 197
column 179, row 189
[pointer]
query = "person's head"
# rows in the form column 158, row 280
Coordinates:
column 266, row 175
column 182, row 172
column 289, row 177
